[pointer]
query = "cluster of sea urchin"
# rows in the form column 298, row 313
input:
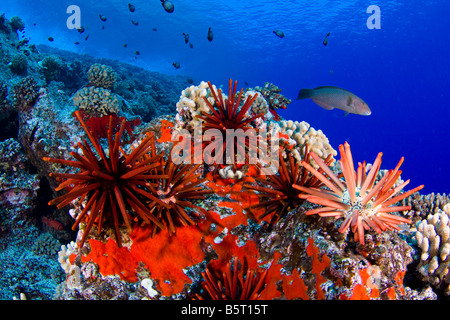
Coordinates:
column 278, row 196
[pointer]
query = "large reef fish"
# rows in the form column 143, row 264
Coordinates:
column 334, row 97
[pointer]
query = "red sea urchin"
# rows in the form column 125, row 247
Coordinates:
column 175, row 186
column 225, row 115
column 362, row 203
column 232, row 284
column 109, row 185
column 278, row 195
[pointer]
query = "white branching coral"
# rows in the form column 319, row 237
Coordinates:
column 296, row 135
column 191, row 104
column 433, row 238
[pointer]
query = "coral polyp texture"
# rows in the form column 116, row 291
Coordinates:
column 102, row 76
column 234, row 283
column 226, row 115
column 277, row 194
column 360, row 199
column 110, row 185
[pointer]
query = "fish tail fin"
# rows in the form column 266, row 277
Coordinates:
column 305, row 94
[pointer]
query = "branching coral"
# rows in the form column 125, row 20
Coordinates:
column 232, row 284
column 360, row 200
column 113, row 186
column 433, row 238
column 227, row 116
column 279, row 194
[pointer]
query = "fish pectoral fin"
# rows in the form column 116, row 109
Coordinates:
column 323, row 105
column 349, row 100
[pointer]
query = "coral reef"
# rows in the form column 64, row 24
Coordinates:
column 151, row 228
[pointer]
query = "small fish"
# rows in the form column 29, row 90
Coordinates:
column 154, row 29
column 279, row 33
column 334, row 97
column 50, row 39
column 191, row 45
column 210, row 35
column 190, row 80
column 131, row 7
column 134, row 22
column 176, row 65
column 325, row 41
column 125, row 45
column 87, row 37
column 167, row 5
column 102, row 17
column 137, row 52
column 103, row 27
column 76, row 42
column 81, row 29
column 186, row 37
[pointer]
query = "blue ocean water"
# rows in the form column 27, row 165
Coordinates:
column 401, row 70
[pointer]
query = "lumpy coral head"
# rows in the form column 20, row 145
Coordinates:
column 359, row 198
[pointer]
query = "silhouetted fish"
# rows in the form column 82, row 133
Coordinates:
column 50, row 39
column 210, row 35
column 102, row 17
column 125, row 45
column 87, row 37
column 134, row 22
column 186, row 37
column 167, row 5
column 325, row 41
column 191, row 45
column 131, row 7
column 154, row 29
column 176, row 65
column 137, row 52
column 279, row 33
column 76, row 42
column 334, row 97
column 190, row 81
column 81, row 29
